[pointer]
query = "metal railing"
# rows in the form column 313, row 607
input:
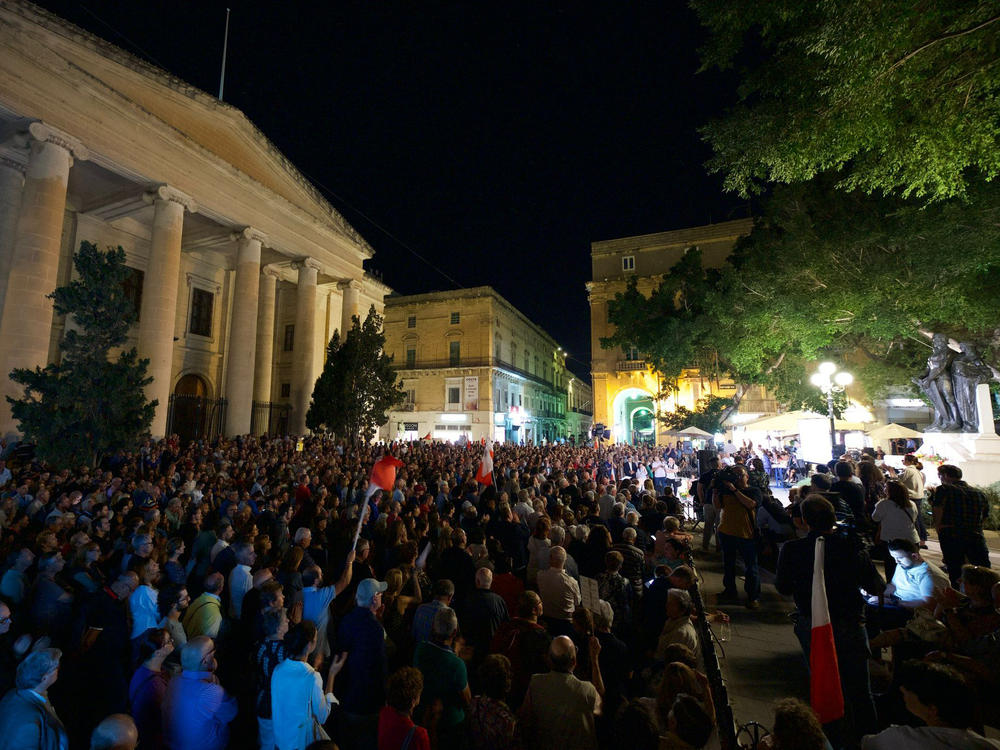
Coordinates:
column 437, row 364
column 631, row 365
column 196, row 418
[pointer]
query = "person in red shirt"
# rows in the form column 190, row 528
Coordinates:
column 395, row 723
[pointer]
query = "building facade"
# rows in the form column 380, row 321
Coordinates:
column 241, row 269
column 626, row 389
column 475, row 367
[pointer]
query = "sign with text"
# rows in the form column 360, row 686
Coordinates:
column 470, row 399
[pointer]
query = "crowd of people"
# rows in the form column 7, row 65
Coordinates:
column 205, row 596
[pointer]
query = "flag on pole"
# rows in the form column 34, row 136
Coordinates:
column 485, row 473
column 383, row 477
column 825, row 693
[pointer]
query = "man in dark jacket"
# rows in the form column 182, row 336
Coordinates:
column 361, row 635
column 847, row 570
column 27, row 719
column 525, row 643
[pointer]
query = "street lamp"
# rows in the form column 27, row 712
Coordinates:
column 829, row 381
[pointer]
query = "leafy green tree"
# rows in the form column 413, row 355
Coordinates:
column 92, row 403
column 708, row 415
column 358, row 385
column 895, row 96
column 827, row 274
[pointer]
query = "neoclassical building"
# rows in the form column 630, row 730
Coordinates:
column 241, row 269
column 625, row 387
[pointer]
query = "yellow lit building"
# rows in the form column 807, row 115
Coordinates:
column 474, row 367
column 625, row 387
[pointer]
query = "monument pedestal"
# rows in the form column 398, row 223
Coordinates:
column 977, row 454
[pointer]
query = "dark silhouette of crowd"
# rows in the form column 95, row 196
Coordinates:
column 211, row 595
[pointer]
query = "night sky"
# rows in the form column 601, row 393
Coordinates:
column 494, row 140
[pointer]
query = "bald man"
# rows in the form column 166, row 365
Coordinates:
column 197, row 710
column 484, row 612
column 117, row 732
column 560, row 594
column 559, row 709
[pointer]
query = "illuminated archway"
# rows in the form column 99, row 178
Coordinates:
column 634, row 417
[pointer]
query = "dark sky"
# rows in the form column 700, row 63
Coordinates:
column 495, row 140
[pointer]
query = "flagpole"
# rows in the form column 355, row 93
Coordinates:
column 225, row 47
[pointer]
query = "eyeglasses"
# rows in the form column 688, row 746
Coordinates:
column 5, row 620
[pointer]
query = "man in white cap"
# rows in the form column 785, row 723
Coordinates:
column 361, row 635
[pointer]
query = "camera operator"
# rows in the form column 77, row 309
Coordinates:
column 848, row 569
column 737, row 503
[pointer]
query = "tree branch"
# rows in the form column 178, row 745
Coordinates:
column 932, row 42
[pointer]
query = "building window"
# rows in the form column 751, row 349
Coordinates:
column 411, row 358
column 202, row 303
column 527, row 362
column 632, row 354
column 411, row 397
column 132, row 287
column 455, row 318
column 286, row 390
column 455, row 353
column 628, row 263
column 289, row 338
column 453, row 394
column 411, row 322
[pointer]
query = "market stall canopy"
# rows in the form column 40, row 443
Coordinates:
column 893, row 431
column 788, row 423
column 693, row 431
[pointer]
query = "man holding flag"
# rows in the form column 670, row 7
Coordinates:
column 825, row 573
column 383, row 477
column 485, row 473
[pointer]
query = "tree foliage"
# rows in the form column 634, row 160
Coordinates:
column 896, row 97
column 91, row 403
column 708, row 415
column 358, row 385
column 827, row 274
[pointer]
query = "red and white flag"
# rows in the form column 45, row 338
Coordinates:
column 485, row 473
column 825, row 692
column 383, row 475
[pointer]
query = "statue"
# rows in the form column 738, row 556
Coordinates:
column 937, row 386
column 968, row 371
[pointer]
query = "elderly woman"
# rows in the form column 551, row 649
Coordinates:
column 678, row 628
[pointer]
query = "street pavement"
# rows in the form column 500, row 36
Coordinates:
column 762, row 661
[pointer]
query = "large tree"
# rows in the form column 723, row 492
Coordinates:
column 358, row 385
column 895, row 96
column 92, row 403
column 827, row 273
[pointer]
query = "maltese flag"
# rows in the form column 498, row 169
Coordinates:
column 825, row 693
column 485, row 474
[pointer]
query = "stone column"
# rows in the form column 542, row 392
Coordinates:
column 243, row 333
column 26, row 322
column 305, row 350
column 351, row 289
column 11, row 185
column 264, row 356
column 159, row 297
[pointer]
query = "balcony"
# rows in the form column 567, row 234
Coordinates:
column 631, row 365
column 437, row 364
column 406, row 407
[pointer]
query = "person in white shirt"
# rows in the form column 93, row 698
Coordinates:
column 316, row 599
column 896, row 516
column 300, row 703
column 142, row 602
column 659, row 475
column 240, row 577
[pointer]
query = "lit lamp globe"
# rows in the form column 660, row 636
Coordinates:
column 843, row 379
column 827, row 368
column 818, row 379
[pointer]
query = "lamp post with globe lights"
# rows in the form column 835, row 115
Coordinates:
column 830, row 381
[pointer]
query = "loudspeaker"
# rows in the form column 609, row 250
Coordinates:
column 703, row 458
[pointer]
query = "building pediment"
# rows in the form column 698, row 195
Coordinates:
column 78, row 70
